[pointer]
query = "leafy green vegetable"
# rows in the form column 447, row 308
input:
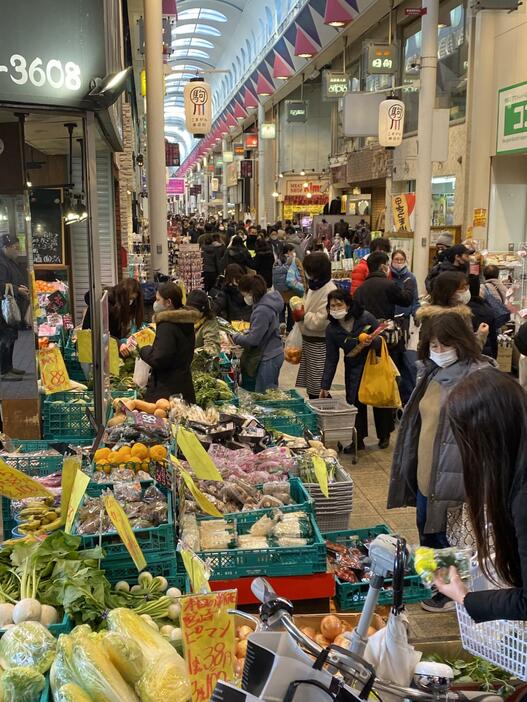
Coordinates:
column 477, row 670
column 209, row 389
column 27, row 644
column 22, row 684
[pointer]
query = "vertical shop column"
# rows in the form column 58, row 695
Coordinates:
column 205, row 186
column 261, row 168
column 155, row 122
column 224, row 181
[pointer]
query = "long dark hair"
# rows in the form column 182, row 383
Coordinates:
column 445, row 287
column 355, row 309
column 126, row 312
column 488, row 416
column 450, row 329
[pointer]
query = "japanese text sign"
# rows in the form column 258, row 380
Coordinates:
column 145, row 337
column 53, row 371
column 208, row 640
column 17, row 485
column 321, row 472
column 200, row 461
column 123, row 528
column 79, row 488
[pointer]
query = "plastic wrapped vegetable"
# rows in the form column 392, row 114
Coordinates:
column 165, row 667
column 24, row 684
column 126, row 656
column 99, row 678
column 27, row 644
column 71, row 693
column 61, row 672
column 428, row 560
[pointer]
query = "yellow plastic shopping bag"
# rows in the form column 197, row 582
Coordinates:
column 378, row 385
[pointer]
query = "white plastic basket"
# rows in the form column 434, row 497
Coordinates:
column 502, row 642
column 333, row 413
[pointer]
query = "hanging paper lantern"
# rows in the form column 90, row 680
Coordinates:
column 198, row 107
column 391, row 122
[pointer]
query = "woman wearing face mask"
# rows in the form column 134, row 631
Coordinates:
column 171, row 353
column 317, row 271
column 427, row 471
column 450, row 293
column 263, row 353
column 229, row 303
column 206, row 328
column 348, row 319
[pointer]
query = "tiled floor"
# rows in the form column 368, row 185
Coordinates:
column 371, row 477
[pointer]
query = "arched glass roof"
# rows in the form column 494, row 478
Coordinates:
column 190, row 53
column 193, row 41
column 193, row 28
column 201, row 13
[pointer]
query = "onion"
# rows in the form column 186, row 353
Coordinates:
column 145, row 578
column 331, row 627
column 238, row 666
column 241, row 648
column 309, row 631
column 322, row 641
column 342, row 641
column 166, row 630
column 244, row 631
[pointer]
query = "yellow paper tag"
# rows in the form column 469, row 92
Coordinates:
column 202, row 500
column 53, row 373
column 80, row 484
column 115, row 359
column 122, row 526
column 208, row 640
column 145, row 337
column 321, row 472
column 17, row 485
column 196, row 570
column 84, row 346
column 200, row 461
column 70, row 466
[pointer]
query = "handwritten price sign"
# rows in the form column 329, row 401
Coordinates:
column 208, row 640
column 145, row 337
column 53, row 371
column 122, row 526
column 17, row 485
column 77, row 492
column 200, row 461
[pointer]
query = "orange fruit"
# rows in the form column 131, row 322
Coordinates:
column 140, row 450
column 363, row 337
column 114, row 458
column 101, row 454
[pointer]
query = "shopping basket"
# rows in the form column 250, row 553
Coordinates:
column 501, row 642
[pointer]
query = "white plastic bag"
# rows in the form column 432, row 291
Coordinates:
column 293, row 346
column 141, row 373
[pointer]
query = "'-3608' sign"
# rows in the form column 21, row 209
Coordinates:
column 55, row 64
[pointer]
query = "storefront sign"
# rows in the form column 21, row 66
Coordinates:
column 415, row 11
column 391, row 123
column 512, row 119
column 296, row 111
column 232, row 175
column 403, row 207
column 208, row 640
column 198, row 107
column 228, row 157
column 171, row 154
column 382, row 59
column 214, row 185
column 335, row 85
column 195, row 190
column 47, row 227
column 251, row 141
column 51, row 50
column 239, row 149
column 480, row 217
column 268, row 130
column 246, row 168
column 176, row 186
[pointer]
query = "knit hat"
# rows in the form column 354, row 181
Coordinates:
column 7, row 240
column 445, row 239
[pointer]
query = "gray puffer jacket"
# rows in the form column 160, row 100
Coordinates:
column 446, row 480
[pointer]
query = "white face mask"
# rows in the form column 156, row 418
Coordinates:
column 463, row 297
column 338, row 314
column 248, row 299
column 158, row 307
column 398, row 266
column 443, row 359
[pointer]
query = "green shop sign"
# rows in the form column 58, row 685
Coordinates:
column 512, row 119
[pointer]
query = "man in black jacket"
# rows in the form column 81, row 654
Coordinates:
column 378, row 294
column 455, row 258
column 11, row 274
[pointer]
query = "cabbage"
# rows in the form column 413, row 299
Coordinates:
column 165, row 680
column 126, row 656
column 27, row 644
column 71, row 693
column 23, row 684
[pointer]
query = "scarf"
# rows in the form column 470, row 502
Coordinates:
column 317, row 283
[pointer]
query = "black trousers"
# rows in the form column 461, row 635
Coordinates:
column 6, row 356
column 209, row 280
column 384, row 422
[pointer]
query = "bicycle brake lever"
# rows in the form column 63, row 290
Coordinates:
column 263, row 590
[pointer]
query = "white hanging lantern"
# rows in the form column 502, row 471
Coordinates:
column 391, row 122
column 198, row 107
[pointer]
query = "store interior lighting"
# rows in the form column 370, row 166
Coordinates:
column 70, row 213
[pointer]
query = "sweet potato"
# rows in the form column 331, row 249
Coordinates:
column 163, row 405
column 160, row 413
column 142, row 406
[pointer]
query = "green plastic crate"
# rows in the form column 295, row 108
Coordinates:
column 350, row 597
column 46, row 692
column 153, row 540
column 273, row 561
column 294, row 426
column 123, row 568
column 295, row 401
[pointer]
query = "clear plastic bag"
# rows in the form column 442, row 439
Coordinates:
column 427, row 561
column 22, row 684
column 28, row 644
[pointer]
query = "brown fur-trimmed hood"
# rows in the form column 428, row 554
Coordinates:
column 429, row 311
column 184, row 315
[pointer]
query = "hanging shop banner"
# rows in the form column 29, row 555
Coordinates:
column 53, row 373
column 403, row 209
column 246, row 168
column 334, row 85
column 239, row 149
column 382, row 59
column 480, row 217
column 512, row 119
column 296, row 111
column 176, row 186
column 198, row 107
column 228, row 156
column 208, row 640
column 251, row 141
column 84, row 346
column 232, row 175
column 171, row 154
column 54, row 65
column 391, row 123
column 268, row 130
column 214, row 185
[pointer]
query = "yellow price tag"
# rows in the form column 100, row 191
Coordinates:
column 145, row 337
column 122, row 526
column 53, row 371
column 17, row 485
column 197, row 571
column 84, row 346
column 115, row 359
column 321, row 472
column 202, row 500
column 70, row 466
column 80, row 484
column 200, row 461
